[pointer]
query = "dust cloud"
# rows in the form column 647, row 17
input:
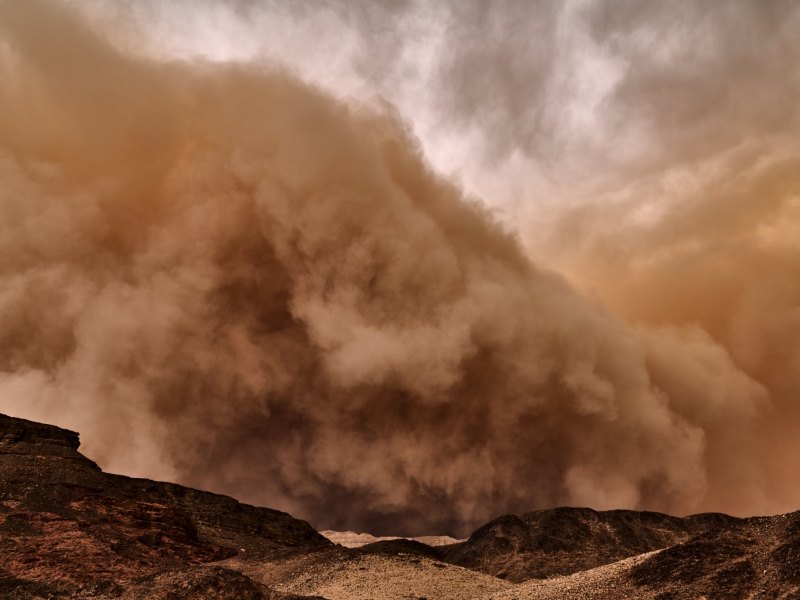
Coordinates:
column 223, row 275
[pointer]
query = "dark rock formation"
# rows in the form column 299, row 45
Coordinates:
column 561, row 541
column 751, row 558
column 401, row 546
column 67, row 528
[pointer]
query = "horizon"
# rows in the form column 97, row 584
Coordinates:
column 401, row 265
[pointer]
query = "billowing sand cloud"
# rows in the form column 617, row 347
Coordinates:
column 222, row 275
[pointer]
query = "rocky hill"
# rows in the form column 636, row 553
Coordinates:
column 564, row 540
column 756, row 558
column 68, row 530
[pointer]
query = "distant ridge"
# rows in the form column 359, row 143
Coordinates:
column 351, row 539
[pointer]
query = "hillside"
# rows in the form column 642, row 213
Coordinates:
column 68, row 530
column 564, row 540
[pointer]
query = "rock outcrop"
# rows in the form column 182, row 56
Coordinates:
column 67, row 528
column 565, row 540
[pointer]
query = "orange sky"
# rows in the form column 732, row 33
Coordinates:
column 403, row 268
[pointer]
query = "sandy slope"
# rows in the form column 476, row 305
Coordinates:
column 608, row 581
column 339, row 576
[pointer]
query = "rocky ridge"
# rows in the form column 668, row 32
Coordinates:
column 351, row 539
column 565, row 540
column 68, row 530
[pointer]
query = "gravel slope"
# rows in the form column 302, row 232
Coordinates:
column 347, row 575
column 608, row 581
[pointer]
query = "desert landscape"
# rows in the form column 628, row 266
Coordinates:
column 350, row 299
column 68, row 530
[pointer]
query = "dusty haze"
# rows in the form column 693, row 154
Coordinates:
column 227, row 276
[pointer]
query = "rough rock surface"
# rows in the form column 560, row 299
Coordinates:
column 562, row 541
column 757, row 558
column 68, row 528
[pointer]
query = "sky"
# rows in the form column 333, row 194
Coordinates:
column 401, row 267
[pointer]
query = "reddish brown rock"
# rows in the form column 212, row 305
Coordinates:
column 67, row 528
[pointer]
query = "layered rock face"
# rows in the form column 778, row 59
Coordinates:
column 67, row 528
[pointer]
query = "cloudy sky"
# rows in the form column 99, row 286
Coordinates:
column 404, row 266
